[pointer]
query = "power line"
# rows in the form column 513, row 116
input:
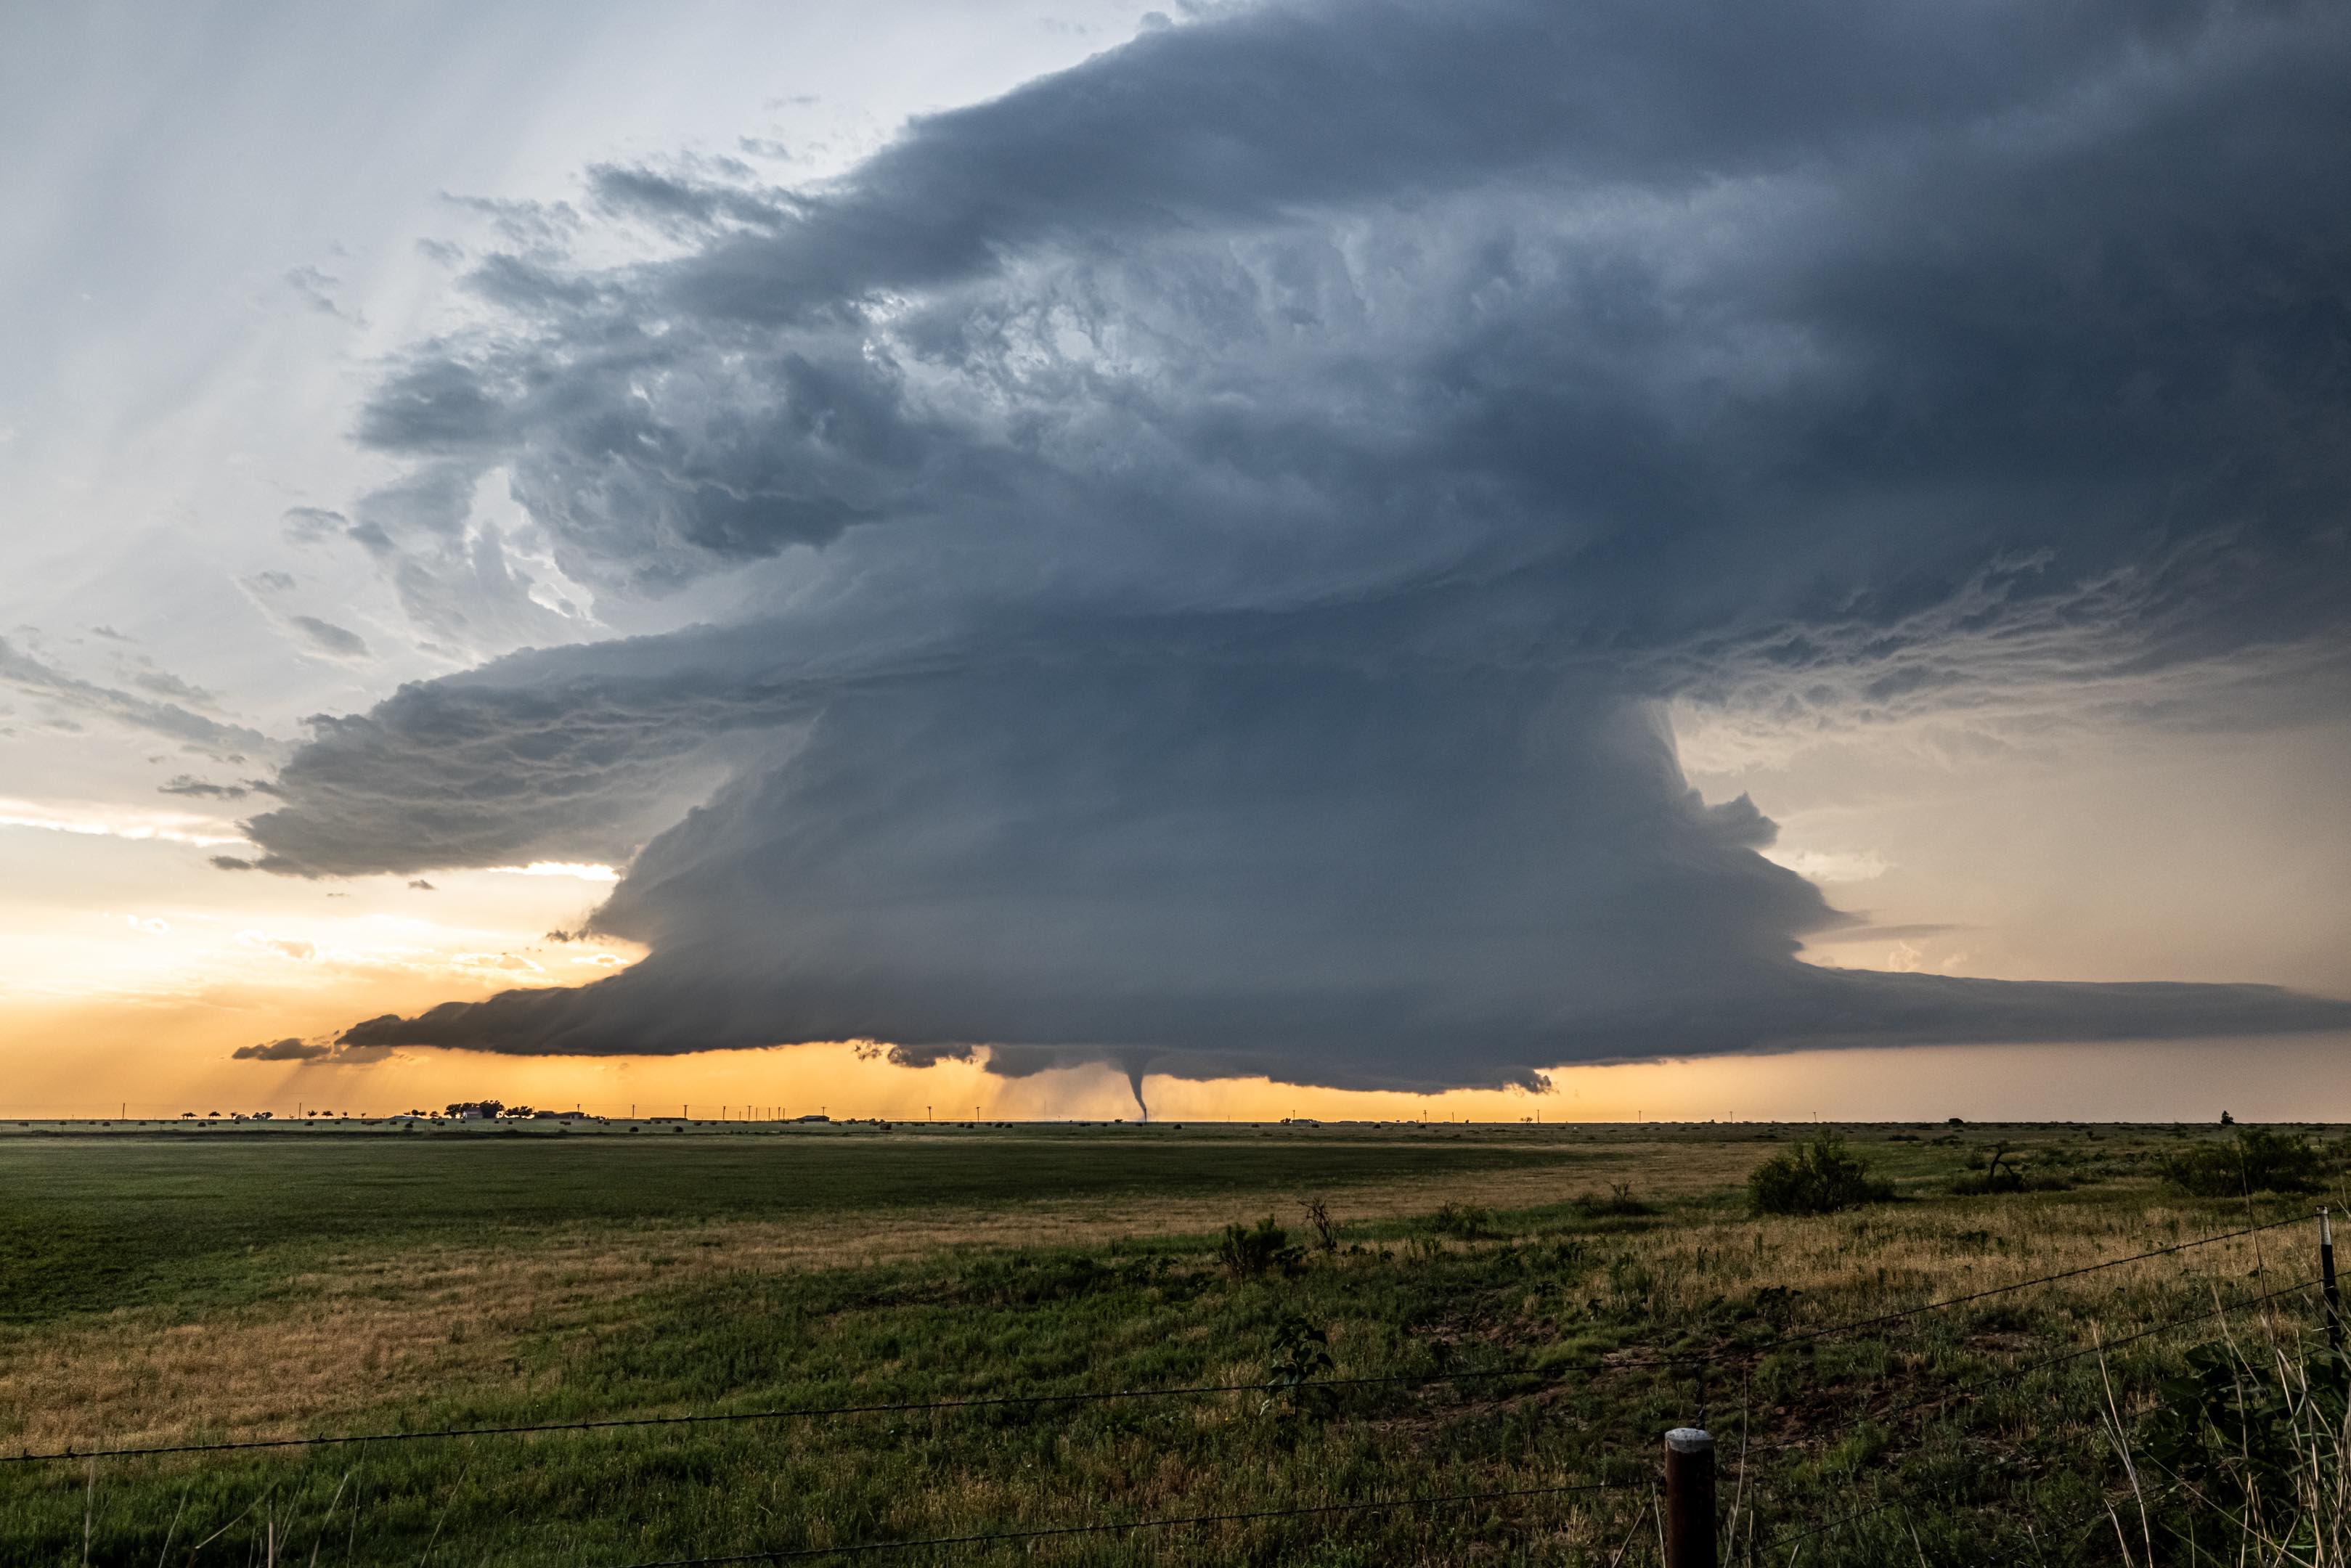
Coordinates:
column 1122, row 1526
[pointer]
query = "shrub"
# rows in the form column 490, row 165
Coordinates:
column 1249, row 1252
column 1465, row 1220
column 1326, row 1229
column 2256, row 1160
column 1620, row 1201
column 2001, row 1173
column 1817, row 1178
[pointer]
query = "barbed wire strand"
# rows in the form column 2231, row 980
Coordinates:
column 814, row 1412
column 1122, row 1526
column 1853, row 1324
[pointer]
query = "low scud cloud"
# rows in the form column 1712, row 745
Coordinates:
column 291, row 1049
column 1213, row 533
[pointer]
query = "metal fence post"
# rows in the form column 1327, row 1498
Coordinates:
column 2326, row 1284
column 1690, row 1499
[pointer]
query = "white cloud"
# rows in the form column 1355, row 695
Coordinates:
column 585, row 871
column 287, row 947
column 99, row 820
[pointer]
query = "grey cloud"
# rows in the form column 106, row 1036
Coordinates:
column 682, row 201
column 531, row 226
column 1217, row 526
column 297, row 1050
column 186, row 784
column 164, row 684
column 426, row 499
column 504, row 767
column 433, row 500
column 317, row 289
column 452, row 574
column 289, row 1050
column 311, row 525
column 171, row 720
column 1200, row 860
column 329, row 638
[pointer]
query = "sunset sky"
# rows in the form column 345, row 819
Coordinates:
column 1339, row 558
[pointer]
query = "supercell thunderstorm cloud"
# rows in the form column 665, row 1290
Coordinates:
column 1209, row 537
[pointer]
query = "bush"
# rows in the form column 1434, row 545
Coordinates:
column 1817, row 1178
column 2001, row 1173
column 1465, row 1220
column 1247, row 1253
column 1619, row 1203
column 2256, row 1160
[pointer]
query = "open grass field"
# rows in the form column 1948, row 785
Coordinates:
column 161, row 1288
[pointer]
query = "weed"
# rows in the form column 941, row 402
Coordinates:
column 1298, row 1386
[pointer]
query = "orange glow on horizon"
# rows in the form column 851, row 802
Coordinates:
column 161, row 1072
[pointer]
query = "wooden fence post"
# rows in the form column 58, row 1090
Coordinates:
column 1690, row 1499
column 2326, row 1284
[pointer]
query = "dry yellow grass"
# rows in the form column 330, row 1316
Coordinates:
column 346, row 1337
column 357, row 1334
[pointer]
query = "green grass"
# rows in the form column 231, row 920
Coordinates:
column 200, row 1222
column 1585, row 1297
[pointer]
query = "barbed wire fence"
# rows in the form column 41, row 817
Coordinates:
column 1673, row 1491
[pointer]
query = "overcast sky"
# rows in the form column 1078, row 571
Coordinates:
column 1263, row 556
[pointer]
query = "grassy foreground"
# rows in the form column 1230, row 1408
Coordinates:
column 163, row 1289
